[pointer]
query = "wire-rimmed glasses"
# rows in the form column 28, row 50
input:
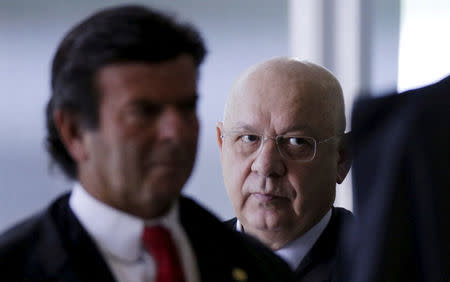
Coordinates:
column 290, row 147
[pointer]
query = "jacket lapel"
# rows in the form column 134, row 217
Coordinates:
column 323, row 251
column 76, row 258
column 199, row 225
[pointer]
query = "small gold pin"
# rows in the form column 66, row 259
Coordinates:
column 239, row 274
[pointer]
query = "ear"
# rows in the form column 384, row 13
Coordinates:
column 71, row 134
column 344, row 158
column 219, row 131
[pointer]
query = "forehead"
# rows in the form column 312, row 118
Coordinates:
column 162, row 82
column 275, row 104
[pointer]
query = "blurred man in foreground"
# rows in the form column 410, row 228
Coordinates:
column 283, row 149
column 122, row 123
column 401, row 181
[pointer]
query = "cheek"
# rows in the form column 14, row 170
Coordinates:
column 305, row 179
column 314, row 185
column 193, row 139
column 191, row 125
column 188, row 138
column 235, row 173
column 312, row 176
column 122, row 165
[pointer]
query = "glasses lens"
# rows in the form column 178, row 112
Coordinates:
column 296, row 148
column 245, row 144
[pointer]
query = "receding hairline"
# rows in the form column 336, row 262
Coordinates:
column 300, row 71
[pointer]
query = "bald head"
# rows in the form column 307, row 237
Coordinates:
column 291, row 82
column 277, row 195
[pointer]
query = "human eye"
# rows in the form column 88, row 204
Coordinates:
column 144, row 110
column 249, row 138
column 246, row 143
column 297, row 141
column 188, row 106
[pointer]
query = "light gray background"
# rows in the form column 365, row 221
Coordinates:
column 237, row 33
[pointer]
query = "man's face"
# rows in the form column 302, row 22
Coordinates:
column 268, row 192
column 144, row 149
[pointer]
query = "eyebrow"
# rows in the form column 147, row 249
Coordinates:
column 146, row 101
column 301, row 128
column 192, row 99
column 241, row 126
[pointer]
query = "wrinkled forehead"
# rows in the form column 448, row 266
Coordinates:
column 274, row 102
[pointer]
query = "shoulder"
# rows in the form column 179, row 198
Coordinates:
column 342, row 214
column 231, row 223
column 327, row 243
column 31, row 231
column 21, row 234
column 23, row 246
column 340, row 219
column 319, row 263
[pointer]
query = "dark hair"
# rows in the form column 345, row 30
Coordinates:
column 119, row 34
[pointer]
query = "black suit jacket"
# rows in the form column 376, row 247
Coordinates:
column 53, row 246
column 319, row 263
column 401, row 182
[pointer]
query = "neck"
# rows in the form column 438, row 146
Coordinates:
column 279, row 237
column 128, row 203
column 274, row 239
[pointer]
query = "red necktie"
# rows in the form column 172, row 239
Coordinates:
column 159, row 243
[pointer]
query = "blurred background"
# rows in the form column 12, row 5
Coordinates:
column 372, row 47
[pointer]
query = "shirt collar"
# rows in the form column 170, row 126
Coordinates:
column 115, row 232
column 294, row 252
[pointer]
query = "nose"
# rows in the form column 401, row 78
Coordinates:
column 268, row 161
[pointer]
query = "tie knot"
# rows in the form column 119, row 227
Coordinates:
column 156, row 233
column 157, row 239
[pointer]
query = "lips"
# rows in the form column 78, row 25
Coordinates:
column 170, row 159
column 265, row 198
column 166, row 164
column 167, row 167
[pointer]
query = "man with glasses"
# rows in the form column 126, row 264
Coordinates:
column 283, row 149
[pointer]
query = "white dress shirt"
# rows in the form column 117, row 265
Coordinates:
column 294, row 252
column 118, row 236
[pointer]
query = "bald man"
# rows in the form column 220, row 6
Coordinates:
column 283, row 149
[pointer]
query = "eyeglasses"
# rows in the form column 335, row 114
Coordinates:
column 290, row 147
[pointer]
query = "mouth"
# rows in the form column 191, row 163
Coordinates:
column 171, row 156
column 266, row 198
column 167, row 166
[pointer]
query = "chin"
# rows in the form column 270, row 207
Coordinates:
column 158, row 193
column 164, row 181
column 265, row 220
column 155, row 205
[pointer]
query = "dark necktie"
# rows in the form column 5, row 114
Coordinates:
column 158, row 242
